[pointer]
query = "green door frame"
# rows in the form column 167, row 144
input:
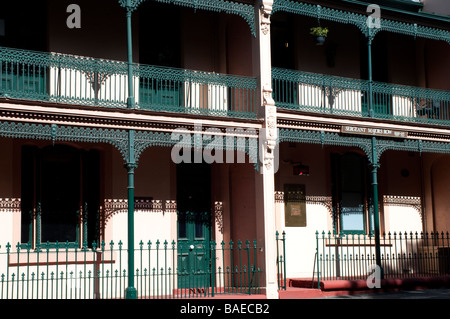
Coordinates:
column 194, row 225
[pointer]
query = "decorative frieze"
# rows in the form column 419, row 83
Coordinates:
column 218, row 215
column 171, row 206
column 10, row 204
column 325, row 201
column 409, row 201
column 116, row 206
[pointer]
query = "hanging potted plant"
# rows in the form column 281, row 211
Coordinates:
column 320, row 34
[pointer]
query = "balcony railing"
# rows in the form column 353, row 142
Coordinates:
column 70, row 79
column 311, row 92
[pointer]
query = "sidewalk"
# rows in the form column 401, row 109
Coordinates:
column 301, row 288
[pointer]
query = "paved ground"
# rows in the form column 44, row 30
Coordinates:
column 443, row 293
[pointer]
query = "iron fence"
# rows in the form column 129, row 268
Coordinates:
column 402, row 255
column 100, row 271
column 281, row 260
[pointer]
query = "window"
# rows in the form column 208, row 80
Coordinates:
column 60, row 195
column 350, row 193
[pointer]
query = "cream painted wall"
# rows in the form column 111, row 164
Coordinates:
column 151, row 226
column 402, row 219
column 301, row 241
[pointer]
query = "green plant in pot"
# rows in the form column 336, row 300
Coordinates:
column 320, row 33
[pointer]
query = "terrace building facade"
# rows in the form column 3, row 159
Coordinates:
column 238, row 138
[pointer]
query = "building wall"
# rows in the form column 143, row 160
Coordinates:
column 401, row 192
column 340, row 55
column 300, row 241
column 436, row 6
column 102, row 33
column 440, row 174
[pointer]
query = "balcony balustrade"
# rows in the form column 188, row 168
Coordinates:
column 70, row 79
column 311, row 92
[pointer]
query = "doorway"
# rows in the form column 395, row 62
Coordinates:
column 194, row 224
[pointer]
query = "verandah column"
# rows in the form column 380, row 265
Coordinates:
column 374, row 166
column 131, row 163
column 370, row 73
column 265, row 180
column 374, row 161
column 130, row 290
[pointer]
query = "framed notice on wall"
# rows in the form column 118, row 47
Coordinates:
column 294, row 205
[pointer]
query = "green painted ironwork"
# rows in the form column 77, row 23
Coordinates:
column 359, row 20
column 69, row 79
column 403, row 255
column 281, row 260
column 376, row 216
column 312, row 92
column 120, row 138
column 99, row 272
column 197, row 92
column 362, row 142
column 117, row 138
column 326, row 138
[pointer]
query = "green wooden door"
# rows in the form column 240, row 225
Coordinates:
column 194, row 225
column 193, row 250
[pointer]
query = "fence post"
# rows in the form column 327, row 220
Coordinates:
column 317, row 256
column 284, row 258
column 213, row 267
column 278, row 259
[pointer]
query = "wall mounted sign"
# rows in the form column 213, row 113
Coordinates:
column 374, row 131
column 294, row 205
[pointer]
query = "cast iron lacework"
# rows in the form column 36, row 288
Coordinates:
column 10, row 204
column 116, row 206
column 299, row 90
column 364, row 143
column 218, row 215
column 119, row 138
column 145, row 139
column 243, row 10
column 359, row 20
column 325, row 138
column 71, row 79
column 325, row 201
